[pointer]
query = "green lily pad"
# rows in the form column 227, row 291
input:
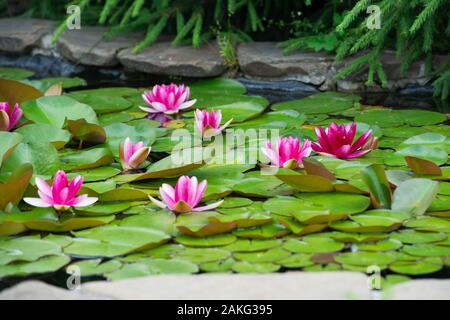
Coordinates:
column 95, row 267
column 416, row 237
column 414, row 268
column 210, row 241
column 43, row 265
column 248, row 267
column 162, row 220
column 56, row 109
column 313, row 245
column 427, row 250
column 13, row 187
column 299, row 260
column 432, row 224
column 105, row 100
column 72, row 223
column 348, row 237
column 414, row 195
column 365, row 258
column 217, row 266
column 43, row 156
column 383, row 245
column 10, row 140
column 153, row 267
column 100, row 209
column 25, row 249
column 421, row 117
column 38, row 133
column 252, row 245
column 87, row 158
column 266, row 231
column 327, row 102
column 203, row 255
column 271, row 255
column 15, row 73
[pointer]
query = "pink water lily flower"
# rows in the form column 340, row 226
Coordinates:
column 337, row 141
column 288, row 152
column 9, row 117
column 61, row 195
column 208, row 123
column 132, row 155
column 185, row 197
column 168, row 99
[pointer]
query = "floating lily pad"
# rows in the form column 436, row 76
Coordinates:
column 271, row 255
column 248, row 267
column 427, row 250
column 211, row 241
column 327, row 102
column 15, row 73
column 87, row 158
column 414, row 268
column 298, row 260
column 43, row 265
column 43, row 156
column 9, row 141
column 415, row 237
column 252, row 245
column 217, row 266
column 266, row 231
column 55, row 110
column 38, row 133
column 383, row 245
column 414, row 195
column 365, row 258
column 153, row 267
column 202, row 255
column 95, row 267
column 313, row 245
column 25, row 249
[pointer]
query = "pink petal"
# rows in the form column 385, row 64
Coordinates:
column 43, row 186
column 167, row 194
column 37, row 202
column 84, row 201
column 182, row 189
column 160, row 107
column 187, row 104
column 358, row 153
column 192, row 196
column 158, row 203
column 208, row 207
column 362, row 140
column 200, row 192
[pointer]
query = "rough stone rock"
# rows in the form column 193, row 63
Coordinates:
column 22, row 34
column 266, row 60
column 162, row 58
column 87, row 47
column 426, row 289
column 37, row 290
column 290, row 285
column 416, row 75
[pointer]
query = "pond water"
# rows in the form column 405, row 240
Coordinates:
column 264, row 225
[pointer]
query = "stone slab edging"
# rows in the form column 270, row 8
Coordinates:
column 257, row 60
column 277, row 286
